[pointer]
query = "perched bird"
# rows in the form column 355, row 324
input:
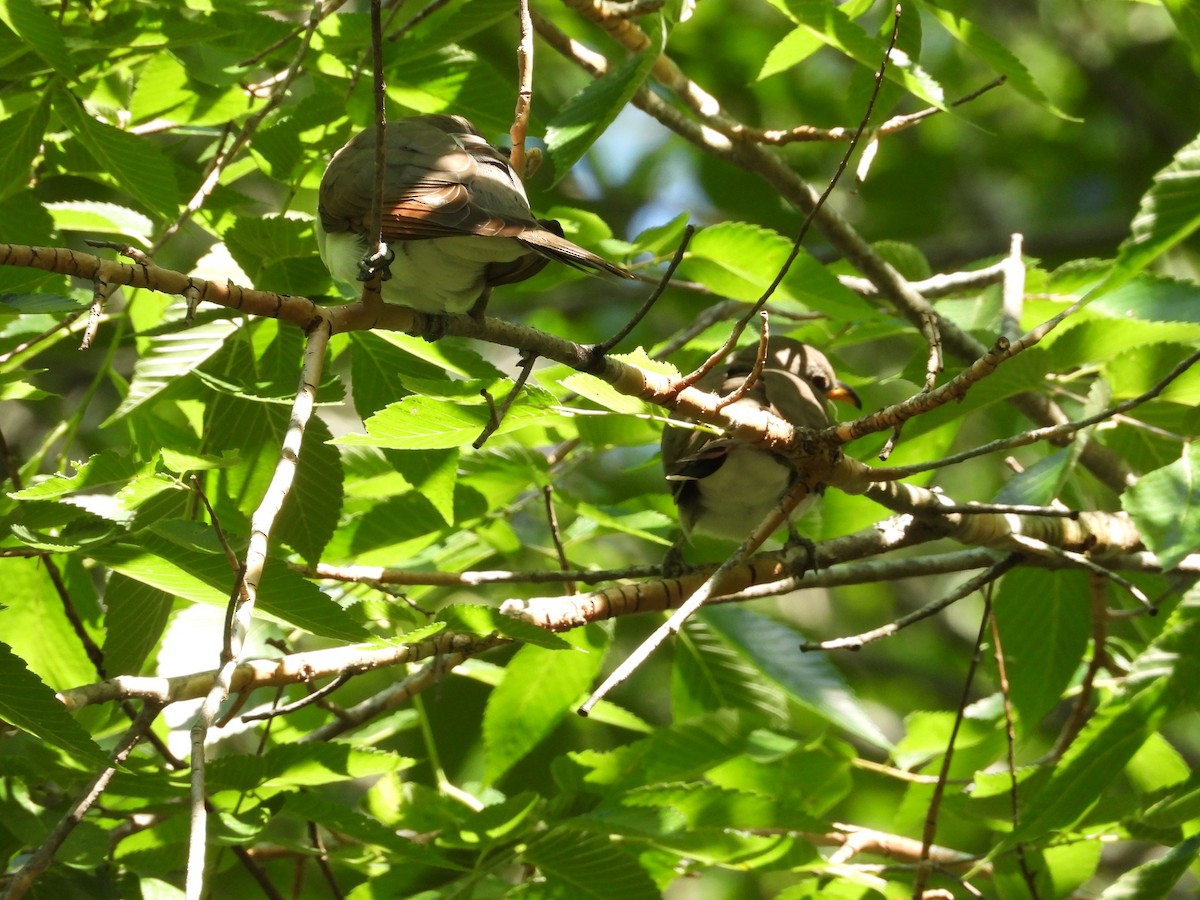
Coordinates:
column 725, row 488
column 455, row 217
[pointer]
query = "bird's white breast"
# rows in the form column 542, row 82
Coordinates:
column 737, row 496
column 439, row 275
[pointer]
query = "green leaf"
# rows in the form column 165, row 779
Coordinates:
column 810, row 678
column 132, row 161
column 709, row 675
column 422, row 423
column 831, row 25
column 32, row 25
column 29, row 704
column 135, row 617
column 739, row 260
column 20, row 140
column 487, row 620
column 1169, row 213
column 1090, row 765
column 576, row 865
column 277, row 253
column 585, row 116
column 1165, row 506
column 301, row 765
column 313, row 506
column 92, row 217
column 1186, row 14
column 517, row 718
column 341, row 819
column 795, row 47
column 960, row 20
column 1154, row 879
column 169, row 357
column 176, row 567
column 1044, row 620
column 105, row 468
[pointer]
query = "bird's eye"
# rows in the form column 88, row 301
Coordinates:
column 820, row 382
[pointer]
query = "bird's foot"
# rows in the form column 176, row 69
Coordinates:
column 795, row 539
column 480, row 306
column 673, row 565
column 377, row 262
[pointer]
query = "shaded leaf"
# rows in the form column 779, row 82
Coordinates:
column 29, row 704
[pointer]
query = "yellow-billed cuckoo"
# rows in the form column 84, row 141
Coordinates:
column 455, row 217
column 725, row 488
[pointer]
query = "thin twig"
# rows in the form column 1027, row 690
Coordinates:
column 496, row 414
column 731, row 342
column 858, row 641
column 230, row 555
column 760, row 360
column 929, row 832
column 1038, row 434
column 552, row 521
column 319, row 694
column 1041, row 547
column 600, row 350
column 1010, row 741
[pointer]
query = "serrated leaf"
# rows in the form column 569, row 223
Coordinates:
column 170, row 357
column 94, row 217
column 1044, row 620
column 739, row 260
column 953, row 16
column 341, row 819
column 832, row 26
column 135, row 617
column 313, row 505
column 709, row 675
column 301, row 765
column 137, row 166
column 583, row 866
column 1168, row 213
column 106, row 467
column 421, row 423
column 795, row 47
column 20, row 138
column 1165, row 506
column 205, row 577
column 29, row 704
column 434, row 473
column 810, row 678
column 276, row 252
column 1090, row 765
column 38, row 30
column 586, row 115
column 516, row 718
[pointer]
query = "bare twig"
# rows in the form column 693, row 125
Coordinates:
column 858, row 641
column 602, row 349
column 496, row 414
column 1010, row 741
column 552, row 521
column 520, row 125
column 1041, row 434
column 929, row 832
